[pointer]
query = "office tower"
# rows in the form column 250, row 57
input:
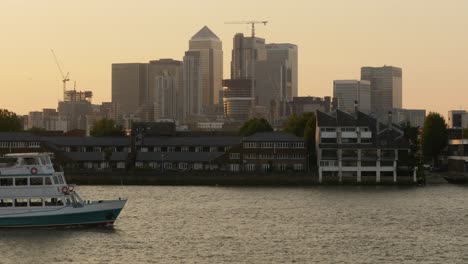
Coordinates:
column 237, row 99
column 353, row 95
column 129, row 86
column 455, row 119
column 203, row 72
column 165, row 87
column 386, row 88
column 286, row 54
column 241, row 62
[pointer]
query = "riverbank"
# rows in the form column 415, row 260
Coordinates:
column 191, row 178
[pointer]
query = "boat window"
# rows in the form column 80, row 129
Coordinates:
column 6, row 182
column 60, row 178
column 36, row 181
column 7, row 162
column 55, row 180
column 6, row 202
column 53, row 201
column 21, row 202
column 43, row 160
column 21, row 181
column 35, row 202
column 48, row 181
column 30, row 161
column 68, row 201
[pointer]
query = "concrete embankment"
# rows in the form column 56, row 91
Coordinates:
column 137, row 177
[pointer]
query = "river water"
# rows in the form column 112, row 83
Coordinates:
column 324, row 224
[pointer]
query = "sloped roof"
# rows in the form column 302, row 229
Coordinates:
column 205, row 34
column 89, row 141
column 95, row 156
column 273, row 137
column 18, row 136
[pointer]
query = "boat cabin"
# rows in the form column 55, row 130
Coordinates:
column 26, row 164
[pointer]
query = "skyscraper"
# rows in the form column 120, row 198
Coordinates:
column 351, row 94
column 241, row 62
column 386, row 88
column 205, row 60
column 286, row 54
column 129, row 86
column 165, row 87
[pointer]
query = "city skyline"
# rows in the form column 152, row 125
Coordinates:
column 424, row 38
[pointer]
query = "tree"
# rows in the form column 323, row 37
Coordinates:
column 411, row 134
column 36, row 129
column 255, row 125
column 304, row 126
column 9, row 121
column 434, row 136
column 106, row 128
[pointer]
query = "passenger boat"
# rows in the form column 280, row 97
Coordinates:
column 33, row 194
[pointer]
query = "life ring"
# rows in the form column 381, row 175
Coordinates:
column 33, row 170
column 71, row 188
column 65, row 189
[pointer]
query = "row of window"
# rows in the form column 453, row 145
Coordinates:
column 266, row 167
column 273, row 156
column 344, row 129
column 20, row 144
column 354, row 163
column 31, row 181
column 184, row 149
column 274, row 145
column 31, row 202
column 346, row 141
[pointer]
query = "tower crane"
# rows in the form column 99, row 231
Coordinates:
column 252, row 23
column 65, row 78
column 252, row 53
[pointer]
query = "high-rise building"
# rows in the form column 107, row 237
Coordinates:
column 237, row 99
column 203, row 72
column 286, row 54
column 129, row 86
column 386, row 87
column 242, row 53
column 352, row 94
column 165, row 81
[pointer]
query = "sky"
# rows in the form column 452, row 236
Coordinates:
column 428, row 39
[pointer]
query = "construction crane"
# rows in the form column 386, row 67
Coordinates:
column 252, row 23
column 65, row 78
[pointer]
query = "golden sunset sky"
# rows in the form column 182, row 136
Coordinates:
column 427, row 38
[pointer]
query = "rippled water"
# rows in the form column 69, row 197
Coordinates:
column 327, row 224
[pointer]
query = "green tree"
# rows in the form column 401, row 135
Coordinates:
column 434, row 136
column 9, row 121
column 304, row 125
column 36, row 129
column 411, row 134
column 255, row 125
column 106, row 128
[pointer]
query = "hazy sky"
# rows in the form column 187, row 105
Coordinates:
column 427, row 38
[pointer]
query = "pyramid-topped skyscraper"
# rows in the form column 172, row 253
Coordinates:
column 203, row 73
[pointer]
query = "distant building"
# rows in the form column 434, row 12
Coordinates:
column 353, row 95
column 416, row 117
column 203, row 73
column 386, row 87
column 242, row 62
column 166, row 88
column 287, row 54
column 303, row 104
column 35, row 119
column 455, row 119
column 359, row 148
column 129, row 86
column 237, row 99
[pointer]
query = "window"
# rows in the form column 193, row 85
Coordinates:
column 55, row 180
column 234, row 155
column 349, row 163
column 36, row 181
column 366, row 140
column 368, row 163
column 183, row 165
column 21, row 181
column 250, row 167
column 298, row 167
column 386, row 164
column 53, row 202
column 349, row 153
column 265, row 167
column 48, row 181
column 35, row 202
column 6, row 182
column 184, row 149
column 30, row 161
column 282, row 167
column 61, row 181
column 6, row 202
column 349, row 140
column 330, row 153
column 21, row 202
column 198, row 149
column 328, row 140
column 213, row 149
